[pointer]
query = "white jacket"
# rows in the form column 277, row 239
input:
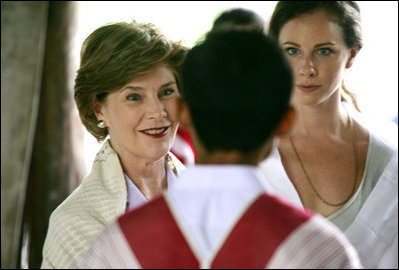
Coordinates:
column 98, row 200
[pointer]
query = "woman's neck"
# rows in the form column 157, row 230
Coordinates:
column 149, row 176
column 142, row 169
column 327, row 119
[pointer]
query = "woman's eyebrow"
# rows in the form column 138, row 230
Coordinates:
column 291, row 43
column 315, row 46
column 131, row 87
column 324, row 44
column 167, row 84
column 139, row 88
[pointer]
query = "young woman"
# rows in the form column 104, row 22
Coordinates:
column 127, row 88
column 331, row 163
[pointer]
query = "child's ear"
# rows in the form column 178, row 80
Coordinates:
column 287, row 123
column 184, row 115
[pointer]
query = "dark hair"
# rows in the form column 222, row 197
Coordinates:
column 346, row 14
column 237, row 85
column 113, row 55
column 237, row 17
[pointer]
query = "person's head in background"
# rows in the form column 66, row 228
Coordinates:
column 127, row 83
column 329, row 20
column 236, row 86
column 239, row 18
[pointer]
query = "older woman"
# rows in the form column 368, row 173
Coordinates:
column 331, row 163
column 127, row 88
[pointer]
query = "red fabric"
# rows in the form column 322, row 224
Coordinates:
column 257, row 235
column 155, row 238
column 184, row 135
column 157, row 242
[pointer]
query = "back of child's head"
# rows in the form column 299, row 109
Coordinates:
column 237, row 85
column 238, row 18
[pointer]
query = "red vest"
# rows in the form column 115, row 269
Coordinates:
column 157, row 241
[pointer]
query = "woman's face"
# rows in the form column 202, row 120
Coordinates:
column 141, row 117
column 315, row 47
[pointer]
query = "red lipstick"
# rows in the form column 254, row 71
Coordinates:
column 155, row 132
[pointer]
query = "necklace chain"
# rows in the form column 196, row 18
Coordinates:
column 356, row 169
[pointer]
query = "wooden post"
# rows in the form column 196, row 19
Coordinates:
column 53, row 165
column 23, row 31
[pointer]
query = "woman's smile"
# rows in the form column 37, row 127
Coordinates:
column 155, row 132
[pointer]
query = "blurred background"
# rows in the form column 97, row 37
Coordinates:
column 45, row 150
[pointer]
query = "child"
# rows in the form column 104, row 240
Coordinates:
column 236, row 87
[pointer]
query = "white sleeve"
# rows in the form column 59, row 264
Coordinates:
column 389, row 259
column 316, row 244
column 374, row 232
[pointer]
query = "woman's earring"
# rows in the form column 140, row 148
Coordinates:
column 101, row 124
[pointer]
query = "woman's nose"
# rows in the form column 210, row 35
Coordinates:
column 156, row 110
column 307, row 68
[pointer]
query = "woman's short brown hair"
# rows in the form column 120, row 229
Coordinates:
column 113, row 55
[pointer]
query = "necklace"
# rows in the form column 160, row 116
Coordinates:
column 356, row 168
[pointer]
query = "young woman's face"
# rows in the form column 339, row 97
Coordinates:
column 141, row 117
column 315, row 47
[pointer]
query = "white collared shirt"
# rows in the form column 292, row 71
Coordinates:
column 214, row 187
column 135, row 197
